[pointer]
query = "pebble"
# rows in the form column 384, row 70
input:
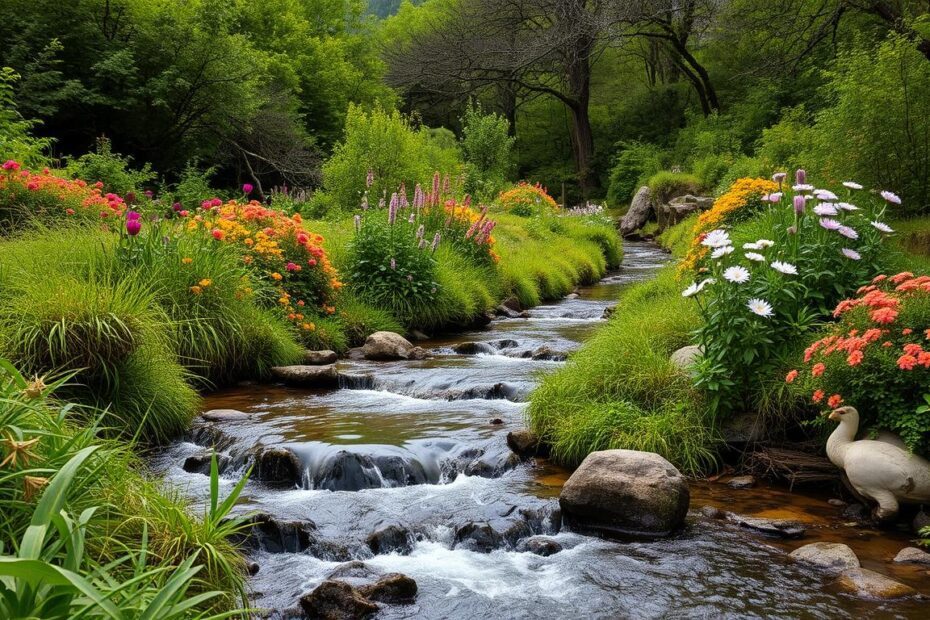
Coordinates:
column 836, row 502
column 742, row 482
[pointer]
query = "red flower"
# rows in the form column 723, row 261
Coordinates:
column 907, row 362
column 834, row 401
column 818, row 369
column 818, row 396
column 218, row 234
column 854, row 358
column 791, row 376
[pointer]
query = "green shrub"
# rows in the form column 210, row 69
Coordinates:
column 192, row 187
column 385, row 144
column 666, row 185
column 488, row 150
column 742, row 167
column 877, row 131
column 113, row 170
column 711, row 169
column 16, row 139
column 633, row 166
column 360, row 319
column 622, row 391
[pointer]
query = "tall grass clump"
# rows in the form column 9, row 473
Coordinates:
column 622, row 391
column 84, row 531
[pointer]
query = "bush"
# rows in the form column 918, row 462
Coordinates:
column 360, row 319
column 488, row 149
column 742, row 167
column 386, row 145
column 877, row 359
column 711, row 169
column 878, row 128
column 757, row 302
column 527, row 200
column 666, row 185
column 114, row 171
column 622, row 391
column 633, row 166
column 16, row 140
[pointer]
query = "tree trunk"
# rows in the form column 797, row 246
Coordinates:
column 583, row 148
column 508, row 103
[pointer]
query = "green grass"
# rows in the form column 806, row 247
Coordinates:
column 677, row 238
column 621, row 391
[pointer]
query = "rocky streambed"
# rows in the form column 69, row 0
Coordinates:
column 401, row 469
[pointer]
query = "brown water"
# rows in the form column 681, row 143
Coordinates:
column 412, row 445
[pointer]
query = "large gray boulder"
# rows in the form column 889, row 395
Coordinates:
column 625, row 493
column 319, row 358
column 641, row 208
column 686, row 356
column 679, row 208
column 831, row 558
column 386, row 346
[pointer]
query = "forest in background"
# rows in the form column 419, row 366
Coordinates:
column 600, row 96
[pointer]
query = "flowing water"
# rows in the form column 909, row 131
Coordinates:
column 406, row 468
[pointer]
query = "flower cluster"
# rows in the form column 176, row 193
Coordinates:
column 276, row 247
column 526, row 200
column 743, row 198
column 44, row 194
column 877, row 357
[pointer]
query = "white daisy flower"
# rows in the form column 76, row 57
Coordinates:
column 786, row 268
column 825, row 194
column 854, row 255
column 721, row 252
column 830, row 224
column 737, row 275
column 851, row 185
column 890, row 197
column 760, row 307
column 705, row 282
column 881, row 226
column 845, row 206
column 804, row 187
column 716, row 239
column 692, row 290
column 755, row 257
column 765, row 243
column 825, row 208
column 752, row 246
column 847, row 232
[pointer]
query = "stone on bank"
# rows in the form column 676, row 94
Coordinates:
column 621, row 493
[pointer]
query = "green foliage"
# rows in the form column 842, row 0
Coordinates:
column 877, row 128
column 81, row 526
column 621, row 391
column 488, row 150
column 17, row 141
column 389, row 269
column 678, row 238
column 386, row 144
column 742, row 168
column 666, row 184
column 633, row 166
column 361, row 319
column 192, row 187
column 111, row 169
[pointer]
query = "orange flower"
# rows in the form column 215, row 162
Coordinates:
column 205, row 282
column 818, row 369
column 907, row 362
column 855, row 358
column 884, row 315
column 834, row 401
column 187, row 260
column 276, row 276
column 196, row 290
column 818, row 396
column 791, row 376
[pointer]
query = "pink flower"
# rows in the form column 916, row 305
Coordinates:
column 292, row 267
column 133, row 225
column 10, row 165
column 247, row 188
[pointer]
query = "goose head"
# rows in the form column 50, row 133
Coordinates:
column 845, row 414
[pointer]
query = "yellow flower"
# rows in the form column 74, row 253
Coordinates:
column 196, row 290
column 309, row 327
column 205, row 282
column 187, row 260
column 276, row 276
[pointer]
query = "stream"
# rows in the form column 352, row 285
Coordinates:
column 406, row 468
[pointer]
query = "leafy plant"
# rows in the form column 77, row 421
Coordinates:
column 113, row 170
column 488, row 149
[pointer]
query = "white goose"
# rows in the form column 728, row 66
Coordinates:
column 878, row 470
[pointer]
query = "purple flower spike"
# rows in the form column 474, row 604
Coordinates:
column 800, row 176
column 800, row 203
column 133, row 226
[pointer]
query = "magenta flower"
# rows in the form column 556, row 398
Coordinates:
column 133, row 226
column 10, row 165
column 291, row 267
column 247, row 188
column 176, row 207
column 800, row 176
column 149, row 193
column 133, row 215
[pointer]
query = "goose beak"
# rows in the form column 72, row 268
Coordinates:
column 835, row 415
